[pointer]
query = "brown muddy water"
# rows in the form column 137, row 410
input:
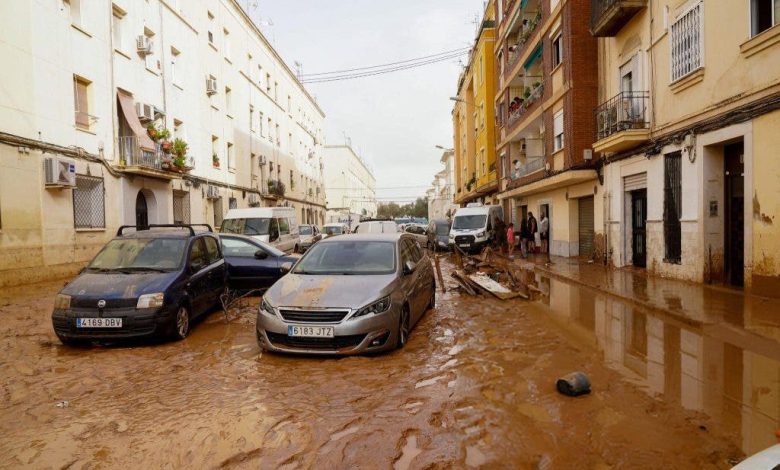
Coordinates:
column 475, row 387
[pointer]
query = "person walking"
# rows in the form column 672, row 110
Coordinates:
column 510, row 237
column 524, row 237
column 533, row 227
column 544, row 233
column 500, row 235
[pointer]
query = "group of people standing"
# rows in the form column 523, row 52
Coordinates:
column 529, row 227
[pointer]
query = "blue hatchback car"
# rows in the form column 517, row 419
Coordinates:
column 252, row 264
column 151, row 282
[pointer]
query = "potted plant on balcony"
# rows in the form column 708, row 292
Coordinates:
column 215, row 160
column 164, row 135
column 179, row 148
column 151, row 129
column 526, row 93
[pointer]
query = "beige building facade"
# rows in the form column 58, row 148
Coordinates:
column 687, row 139
column 350, row 186
column 76, row 160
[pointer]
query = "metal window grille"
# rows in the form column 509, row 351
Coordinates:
column 181, row 207
column 686, row 43
column 672, row 207
column 232, row 203
column 89, row 202
column 218, row 215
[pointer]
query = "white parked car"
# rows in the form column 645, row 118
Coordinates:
column 419, row 232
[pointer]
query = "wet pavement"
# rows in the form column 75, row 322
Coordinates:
column 475, row 387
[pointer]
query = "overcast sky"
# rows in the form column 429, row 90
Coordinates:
column 394, row 120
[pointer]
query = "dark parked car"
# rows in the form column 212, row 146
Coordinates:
column 438, row 235
column 252, row 264
column 152, row 282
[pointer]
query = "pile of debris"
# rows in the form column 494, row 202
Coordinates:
column 490, row 272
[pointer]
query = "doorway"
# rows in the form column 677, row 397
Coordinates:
column 585, row 225
column 638, row 227
column 141, row 212
column 734, row 185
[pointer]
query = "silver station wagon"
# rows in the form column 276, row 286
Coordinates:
column 348, row 295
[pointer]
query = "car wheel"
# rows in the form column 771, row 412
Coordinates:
column 404, row 323
column 181, row 323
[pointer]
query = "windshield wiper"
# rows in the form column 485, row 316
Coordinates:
column 130, row 269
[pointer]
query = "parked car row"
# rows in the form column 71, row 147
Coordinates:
column 347, row 294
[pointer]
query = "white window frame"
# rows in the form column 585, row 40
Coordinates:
column 175, row 53
column 775, row 20
column 675, row 77
column 117, row 27
column 229, row 152
column 558, row 132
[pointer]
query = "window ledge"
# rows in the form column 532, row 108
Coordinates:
column 86, row 131
column 231, row 170
column 81, row 30
column 687, row 81
column 214, row 108
column 229, row 115
column 555, row 69
column 178, row 86
column 157, row 74
column 213, row 46
column 761, row 41
column 95, row 229
column 123, row 53
column 227, row 59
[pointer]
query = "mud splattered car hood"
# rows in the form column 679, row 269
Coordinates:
column 118, row 285
column 297, row 290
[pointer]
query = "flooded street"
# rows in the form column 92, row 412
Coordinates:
column 474, row 387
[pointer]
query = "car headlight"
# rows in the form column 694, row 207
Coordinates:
column 151, row 300
column 266, row 307
column 480, row 234
column 452, row 237
column 380, row 306
column 62, row 302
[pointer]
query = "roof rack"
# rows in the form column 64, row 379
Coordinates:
column 150, row 226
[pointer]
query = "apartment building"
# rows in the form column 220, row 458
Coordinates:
column 547, row 88
column 441, row 201
column 474, row 119
column 350, row 185
column 687, row 138
column 84, row 84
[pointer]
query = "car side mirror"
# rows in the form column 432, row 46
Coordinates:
column 409, row 267
column 261, row 254
column 285, row 267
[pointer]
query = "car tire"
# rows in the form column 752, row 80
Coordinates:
column 404, row 328
column 181, row 323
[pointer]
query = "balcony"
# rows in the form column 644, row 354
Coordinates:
column 622, row 122
column 607, row 17
column 516, row 48
column 140, row 161
column 521, row 105
column 531, row 165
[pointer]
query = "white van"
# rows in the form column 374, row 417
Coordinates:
column 474, row 227
column 275, row 225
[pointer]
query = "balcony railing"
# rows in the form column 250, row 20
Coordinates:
column 131, row 154
column 524, row 104
column 516, row 49
column 607, row 17
column 531, row 165
column 627, row 110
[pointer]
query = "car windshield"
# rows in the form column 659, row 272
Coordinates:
column 442, row 229
column 469, row 222
column 305, row 230
column 138, row 254
column 252, row 226
column 333, row 230
column 348, row 257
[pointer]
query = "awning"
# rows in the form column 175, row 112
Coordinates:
column 126, row 103
column 523, row 3
column 535, row 55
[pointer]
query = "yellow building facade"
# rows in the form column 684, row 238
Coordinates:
column 688, row 132
column 474, row 119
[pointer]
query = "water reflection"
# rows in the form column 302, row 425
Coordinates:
column 729, row 373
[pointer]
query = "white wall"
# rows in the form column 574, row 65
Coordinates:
column 350, row 184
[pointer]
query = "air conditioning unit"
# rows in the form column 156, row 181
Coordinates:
column 587, row 154
column 59, row 172
column 262, row 160
column 143, row 45
column 145, row 112
column 211, row 86
column 212, row 192
column 254, row 200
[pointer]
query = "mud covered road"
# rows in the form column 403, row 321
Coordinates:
column 473, row 388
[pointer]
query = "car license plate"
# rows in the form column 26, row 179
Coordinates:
column 98, row 323
column 307, row 331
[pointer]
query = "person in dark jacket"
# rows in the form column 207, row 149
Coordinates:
column 533, row 227
column 524, row 237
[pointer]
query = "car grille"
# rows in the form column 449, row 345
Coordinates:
column 464, row 239
column 338, row 342
column 316, row 316
column 132, row 323
column 91, row 302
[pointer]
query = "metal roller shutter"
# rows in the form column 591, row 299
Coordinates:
column 634, row 182
column 586, row 225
